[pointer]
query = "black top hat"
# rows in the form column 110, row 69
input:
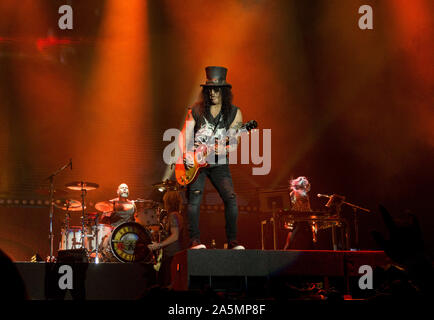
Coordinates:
column 216, row 77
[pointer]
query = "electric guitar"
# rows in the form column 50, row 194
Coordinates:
column 187, row 174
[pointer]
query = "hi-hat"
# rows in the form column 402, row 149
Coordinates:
column 166, row 185
column 69, row 205
column 81, row 185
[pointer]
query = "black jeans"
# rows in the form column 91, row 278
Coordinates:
column 221, row 179
column 164, row 278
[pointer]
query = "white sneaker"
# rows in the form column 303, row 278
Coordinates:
column 238, row 247
column 198, row 246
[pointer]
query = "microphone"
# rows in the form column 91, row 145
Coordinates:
column 70, row 163
column 319, row 195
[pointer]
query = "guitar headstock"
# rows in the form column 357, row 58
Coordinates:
column 252, row 124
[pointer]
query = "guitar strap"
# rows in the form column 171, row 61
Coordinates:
column 216, row 123
column 215, row 126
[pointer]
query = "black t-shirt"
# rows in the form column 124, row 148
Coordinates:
column 202, row 116
column 174, row 221
column 119, row 217
column 208, row 128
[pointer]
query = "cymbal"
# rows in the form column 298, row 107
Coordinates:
column 68, row 205
column 46, row 192
column 166, row 184
column 82, row 185
column 104, row 206
column 107, row 206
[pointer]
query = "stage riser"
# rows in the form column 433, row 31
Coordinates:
column 229, row 270
column 106, row 281
column 192, row 269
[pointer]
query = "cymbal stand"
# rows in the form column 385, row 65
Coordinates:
column 51, row 179
column 83, row 214
column 66, row 225
column 96, row 238
column 67, row 217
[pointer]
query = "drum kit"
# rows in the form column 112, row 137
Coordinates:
column 105, row 240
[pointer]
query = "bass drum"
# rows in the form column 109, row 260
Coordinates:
column 129, row 243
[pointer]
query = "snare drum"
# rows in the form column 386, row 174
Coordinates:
column 104, row 231
column 71, row 238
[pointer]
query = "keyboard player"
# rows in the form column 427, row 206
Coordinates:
column 301, row 235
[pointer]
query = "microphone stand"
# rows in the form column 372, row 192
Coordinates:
column 83, row 215
column 356, row 225
column 51, row 179
column 355, row 208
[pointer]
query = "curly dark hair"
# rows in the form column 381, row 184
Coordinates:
column 205, row 101
column 172, row 201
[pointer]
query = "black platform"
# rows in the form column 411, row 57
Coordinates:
column 230, row 270
column 107, row 281
column 191, row 269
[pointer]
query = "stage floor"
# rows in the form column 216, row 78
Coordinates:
column 191, row 269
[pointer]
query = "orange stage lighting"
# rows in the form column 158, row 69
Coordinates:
column 116, row 108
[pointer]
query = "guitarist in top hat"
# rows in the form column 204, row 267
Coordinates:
column 208, row 121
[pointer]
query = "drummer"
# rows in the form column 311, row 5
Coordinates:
column 123, row 209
